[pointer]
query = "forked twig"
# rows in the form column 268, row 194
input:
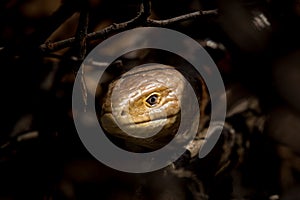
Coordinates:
column 142, row 19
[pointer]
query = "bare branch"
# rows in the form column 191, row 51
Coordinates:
column 42, row 32
column 82, row 32
column 167, row 22
column 102, row 34
column 80, row 44
column 142, row 19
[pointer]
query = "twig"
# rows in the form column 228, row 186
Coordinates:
column 57, row 18
column 81, row 32
column 167, row 22
column 142, row 19
column 80, row 44
column 32, row 42
column 104, row 33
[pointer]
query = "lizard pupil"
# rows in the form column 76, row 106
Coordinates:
column 152, row 100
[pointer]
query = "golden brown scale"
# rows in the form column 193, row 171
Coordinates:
column 139, row 109
column 145, row 99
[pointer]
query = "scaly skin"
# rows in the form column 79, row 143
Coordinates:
column 128, row 105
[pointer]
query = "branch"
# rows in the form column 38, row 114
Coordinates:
column 81, row 32
column 55, row 20
column 80, row 45
column 142, row 19
column 104, row 33
column 139, row 19
column 167, row 22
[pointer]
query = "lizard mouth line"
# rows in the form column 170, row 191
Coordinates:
column 144, row 121
column 153, row 120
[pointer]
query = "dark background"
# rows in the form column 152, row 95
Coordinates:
column 261, row 56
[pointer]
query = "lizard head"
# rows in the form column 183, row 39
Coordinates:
column 144, row 105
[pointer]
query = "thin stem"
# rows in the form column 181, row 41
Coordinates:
column 142, row 19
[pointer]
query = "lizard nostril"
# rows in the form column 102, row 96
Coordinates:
column 123, row 113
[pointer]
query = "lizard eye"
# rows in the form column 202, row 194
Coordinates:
column 152, row 100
